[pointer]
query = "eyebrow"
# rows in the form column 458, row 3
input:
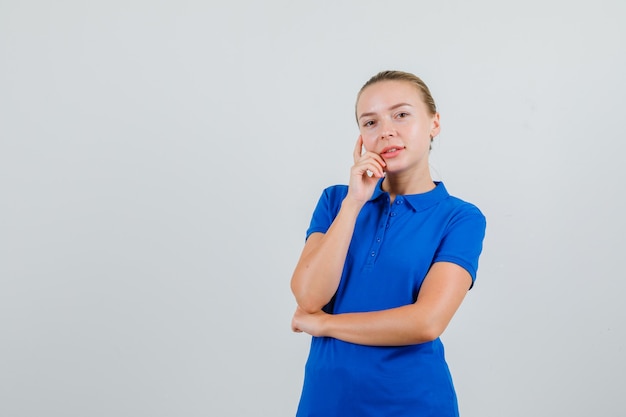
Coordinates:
column 395, row 106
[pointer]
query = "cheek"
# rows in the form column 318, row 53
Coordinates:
column 369, row 138
column 369, row 141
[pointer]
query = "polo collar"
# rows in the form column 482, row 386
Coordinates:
column 418, row 202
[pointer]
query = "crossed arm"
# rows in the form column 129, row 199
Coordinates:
column 440, row 296
column 316, row 279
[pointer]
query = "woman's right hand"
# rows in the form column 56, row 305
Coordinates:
column 368, row 168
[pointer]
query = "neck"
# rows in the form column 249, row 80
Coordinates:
column 400, row 184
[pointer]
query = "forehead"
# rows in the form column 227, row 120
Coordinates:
column 389, row 92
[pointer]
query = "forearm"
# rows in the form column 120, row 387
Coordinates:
column 318, row 272
column 440, row 296
column 399, row 326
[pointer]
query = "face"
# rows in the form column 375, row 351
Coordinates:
column 395, row 123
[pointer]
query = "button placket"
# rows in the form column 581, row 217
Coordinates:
column 379, row 237
column 396, row 210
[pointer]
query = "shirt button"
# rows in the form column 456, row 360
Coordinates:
column 399, row 201
column 377, row 239
column 373, row 254
column 393, row 213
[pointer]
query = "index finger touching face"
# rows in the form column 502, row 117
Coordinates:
column 358, row 149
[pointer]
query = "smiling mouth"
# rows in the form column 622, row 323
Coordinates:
column 392, row 150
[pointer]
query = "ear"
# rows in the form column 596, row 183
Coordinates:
column 435, row 127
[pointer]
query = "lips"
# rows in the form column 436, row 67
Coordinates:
column 391, row 151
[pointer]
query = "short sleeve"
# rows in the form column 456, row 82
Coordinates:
column 327, row 208
column 462, row 241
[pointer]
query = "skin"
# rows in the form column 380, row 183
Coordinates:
column 396, row 129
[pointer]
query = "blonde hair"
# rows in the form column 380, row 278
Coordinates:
column 401, row 76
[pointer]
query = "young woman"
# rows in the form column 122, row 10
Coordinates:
column 386, row 264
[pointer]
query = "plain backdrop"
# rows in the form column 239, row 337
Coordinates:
column 160, row 160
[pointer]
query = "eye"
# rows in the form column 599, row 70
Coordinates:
column 402, row 115
column 368, row 123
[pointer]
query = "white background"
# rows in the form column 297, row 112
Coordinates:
column 159, row 163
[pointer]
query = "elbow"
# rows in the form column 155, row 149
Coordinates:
column 429, row 334
column 310, row 308
column 306, row 301
column 308, row 304
column 428, row 331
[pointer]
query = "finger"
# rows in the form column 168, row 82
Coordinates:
column 372, row 164
column 370, row 172
column 294, row 327
column 358, row 149
column 372, row 155
column 377, row 157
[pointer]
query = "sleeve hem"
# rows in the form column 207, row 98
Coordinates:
column 463, row 264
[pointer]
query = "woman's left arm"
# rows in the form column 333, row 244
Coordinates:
column 439, row 298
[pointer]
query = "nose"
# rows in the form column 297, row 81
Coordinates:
column 386, row 129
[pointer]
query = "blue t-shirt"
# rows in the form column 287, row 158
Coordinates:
column 392, row 249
